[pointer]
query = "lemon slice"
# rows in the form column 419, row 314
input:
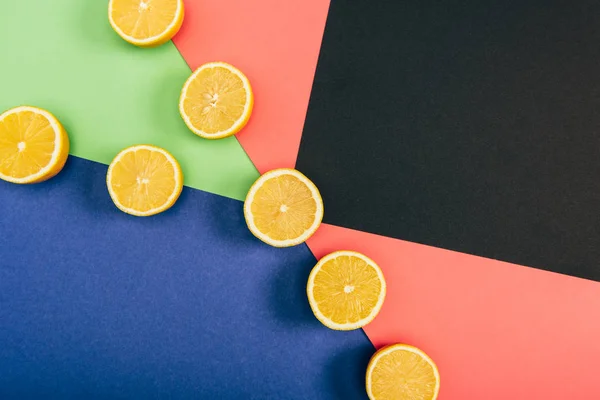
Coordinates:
column 346, row 290
column 402, row 372
column 216, row 101
column 33, row 145
column 144, row 180
column 146, row 23
column 283, row 208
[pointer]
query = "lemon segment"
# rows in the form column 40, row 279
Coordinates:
column 283, row 208
column 346, row 290
column 146, row 23
column 33, row 145
column 402, row 372
column 144, row 180
column 216, row 101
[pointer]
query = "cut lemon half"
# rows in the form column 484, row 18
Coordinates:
column 283, row 208
column 402, row 372
column 346, row 290
column 216, row 101
column 144, row 180
column 146, row 23
column 33, row 145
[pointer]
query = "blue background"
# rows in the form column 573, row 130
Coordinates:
column 95, row 303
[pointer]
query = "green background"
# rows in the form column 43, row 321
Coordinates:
column 62, row 55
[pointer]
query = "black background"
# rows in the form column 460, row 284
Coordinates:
column 467, row 125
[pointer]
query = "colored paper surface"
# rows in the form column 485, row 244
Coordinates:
column 470, row 126
column 95, row 303
column 76, row 323
column 496, row 331
column 276, row 44
column 62, row 55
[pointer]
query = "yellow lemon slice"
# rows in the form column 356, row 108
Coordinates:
column 346, row 290
column 144, row 180
column 146, row 23
column 283, row 208
column 402, row 372
column 216, row 101
column 33, row 145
